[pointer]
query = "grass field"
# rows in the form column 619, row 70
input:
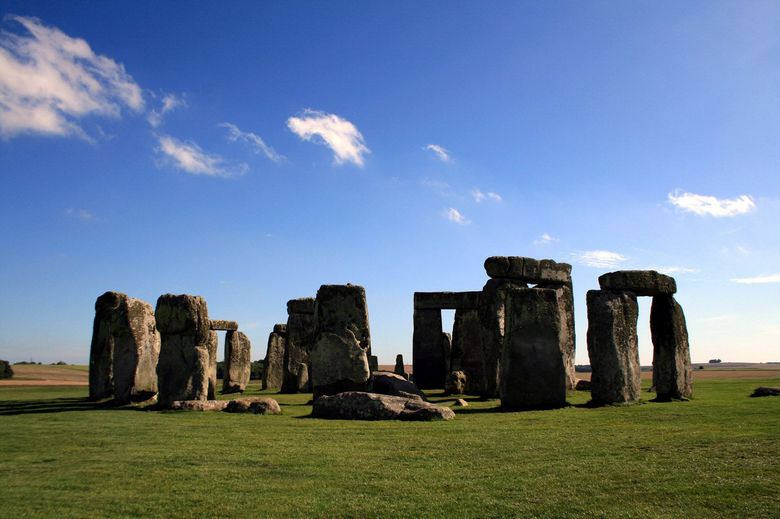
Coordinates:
column 715, row 456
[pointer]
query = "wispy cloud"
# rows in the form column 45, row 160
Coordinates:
column 441, row 187
column 545, row 239
column 442, row 153
column 255, row 142
column 340, row 135
column 676, row 270
column 455, row 216
column 80, row 214
column 704, row 205
column 758, row 280
column 189, row 157
column 49, row 80
column 169, row 103
column 601, row 258
column 479, row 196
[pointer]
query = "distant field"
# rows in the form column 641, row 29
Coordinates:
column 715, row 456
column 45, row 375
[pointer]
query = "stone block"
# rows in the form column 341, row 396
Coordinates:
column 640, row 282
column 339, row 363
column 238, row 363
column 299, row 341
column 467, row 354
column 672, row 374
column 222, row 325
column 446, row 300
column 528, row 270
column 273, row 371
column 303, row 305
column 428, row 358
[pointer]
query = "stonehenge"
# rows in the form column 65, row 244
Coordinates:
column 273, row 367
column 237, row 362
column 299, row 341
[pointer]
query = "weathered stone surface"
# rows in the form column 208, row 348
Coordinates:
column 356, row 405
column 491, row 319
column 302, row 305
column 386, row 383
column 212, row 369
column 256, row 405
column 6, row 371
column 303, row 380
column 339, row 363
column 185, row 365
column 533, row 368
column 672, row 374
column 640, row 282
column 460, row 403
column 342, row 307
column 299, row 341
column 446, row 348
column 467, row 354
column 273, row 369
column 400, row 368
column 373, row 363
column 428, row 359
column 446, row 300
column 198, row 405
column 582, row 385
column 125, row 349
column 766, row 391
column 612, row 346
column 218, row 324
column 457, row 383
column 238, row 362
column 566, row 299
column 528, row 270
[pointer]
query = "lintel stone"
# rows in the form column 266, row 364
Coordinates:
column 219, row 324
column 446, row 300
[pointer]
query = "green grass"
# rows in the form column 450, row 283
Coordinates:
column 715, row 456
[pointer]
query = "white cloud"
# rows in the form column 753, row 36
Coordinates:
column 455, row 216
column 48, row 81
column 479, row 196
column 340, row 135
column 191, row 158
column 170, row 102
column 758, row 280
column 544, row 239
column 704, row 205
column 442, row 153
column 80, row 214
column 676, row 270
column 601, row 258
column 257, row 144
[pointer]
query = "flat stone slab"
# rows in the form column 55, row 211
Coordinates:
column 386, row 383
column 640, row 282
column 766, row 391
column 446, row 300
column 256, row 405
column 303, row 305
column 219, row 324
column 199, row 405
column 357, row 405
column 529, row 270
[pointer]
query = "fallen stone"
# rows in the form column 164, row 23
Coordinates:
column 217, row 324
column 640, row 282
column 273, row 368
column 460, row 403
column 766, row 391
column 582, row 385
column 386, row 383
column 238, row 362
column 339, row 363
column 356, row 405
column 528, row 270
column 672, row 374
column 256, row 405
column 198, row 405
column 446, row 300
column 456, row 384
column 5, row 369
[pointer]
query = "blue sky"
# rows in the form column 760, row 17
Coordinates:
column 251, row 152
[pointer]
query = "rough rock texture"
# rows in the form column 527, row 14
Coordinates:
column 467, row 348
column 400, row 368
column 566, row 298
column 212, row 369
column 612, row 346
column 5, row 369
column 446, row 348
column 339, row 363
column 428, row 358
column 460, row 403
column 124, row 351
column 491, row 320
column 528, row 270
column 640, row 282
column 457, row 383
column 355, row 405
column 672, row 374
column 386, row 383
column 344, row 307
column 273, row 369
column 185, row 365
column 301, row 334
column 533, row 364
column 218, row 324
column 198, row 405
column 373, row 363
column 303, row 380
column 256, row 405
column 766, row 391
column 446, row 300
column 582, row 385
column 238, row 362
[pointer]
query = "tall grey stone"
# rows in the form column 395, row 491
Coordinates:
column 301, row 334
column 566, row 299
column 6, row 371
column 212, row 368
column 237, row 362
column 467, row 347
column 533, row 370
column 344, row 306
column 125, row 349
column 399, row 369
column 428, row 359
column 373, row 363
column 612, row 346
column 273, row 368
column 672, row 374
column 186, row 364
column 446, row 348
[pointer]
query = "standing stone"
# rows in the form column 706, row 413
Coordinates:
column 303, row 377
column 344, row 306
column 238, row 363
column 671, row 354
column 273, row 369
column 612, row 346
column 430, row 366
column 533, row 371
column 124, row 351
column 373, row 363
column 467, row 347
column 5, row 369
column 446, row 350
column 212, row 370
column 185, row 369
column 301, row 334
column 566, row 298
column 400, row 369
